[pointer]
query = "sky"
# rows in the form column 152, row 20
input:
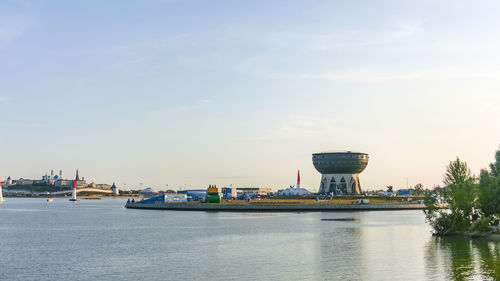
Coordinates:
column 182, row 94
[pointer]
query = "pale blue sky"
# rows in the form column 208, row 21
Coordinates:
column 243, row 92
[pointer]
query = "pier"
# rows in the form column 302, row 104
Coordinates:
column 270, row 207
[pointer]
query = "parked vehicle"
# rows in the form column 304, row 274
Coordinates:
column 362, row 201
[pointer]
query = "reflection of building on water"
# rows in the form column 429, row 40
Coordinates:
column 340, row 250
column 340, row 171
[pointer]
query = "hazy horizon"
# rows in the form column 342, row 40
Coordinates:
column 192, row 93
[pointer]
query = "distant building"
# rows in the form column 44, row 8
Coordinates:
column 403, row 192
column 115, row 189
column 22, row 181
column 340, row 171
column 99, row 186
column 295, row 191
column 80, row 183
column 194, row 194
column 147, row 192
column 291, row 191
column 253, row 191
column 56, row 181
column 50, row 179
column 63, row 183
column 228, row 192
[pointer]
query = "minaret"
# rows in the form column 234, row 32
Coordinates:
column 60, row 174
column 298, row 178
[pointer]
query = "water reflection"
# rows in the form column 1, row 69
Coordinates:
column 340, row 254
column 463, row 258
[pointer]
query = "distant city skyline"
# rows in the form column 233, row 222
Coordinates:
column 192, row 93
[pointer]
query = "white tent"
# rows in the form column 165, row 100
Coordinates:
column 294, row 191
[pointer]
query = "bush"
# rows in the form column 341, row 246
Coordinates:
column 481, row 225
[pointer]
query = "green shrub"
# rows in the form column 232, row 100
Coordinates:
column 481, row 225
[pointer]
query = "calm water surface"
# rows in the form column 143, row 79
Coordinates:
column 101, row 240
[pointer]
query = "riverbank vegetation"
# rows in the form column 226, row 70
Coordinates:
column 474, row 202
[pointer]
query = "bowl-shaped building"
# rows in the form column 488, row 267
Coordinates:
column 340, row 171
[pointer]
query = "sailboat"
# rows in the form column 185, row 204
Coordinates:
column 1, row 195
column 73, row 197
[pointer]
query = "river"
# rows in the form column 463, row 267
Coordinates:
column 101, row 240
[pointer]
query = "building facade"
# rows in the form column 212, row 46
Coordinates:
column 253, row 191
column 340, row 171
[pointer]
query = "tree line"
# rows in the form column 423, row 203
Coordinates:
column 473, row 202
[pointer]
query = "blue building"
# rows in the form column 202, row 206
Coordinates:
column 194, row 194
column 155, row 200
column 403, row 192
column 228, row 193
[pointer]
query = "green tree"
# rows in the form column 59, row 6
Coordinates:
column 489, row 186
column 418, row 189
column 495, row 167
column 460, row 194
column 457, row 172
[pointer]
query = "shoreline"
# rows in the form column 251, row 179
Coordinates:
column 489, row 236
column 81, row 197
column 271, row 207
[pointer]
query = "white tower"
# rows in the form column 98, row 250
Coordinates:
column 1, row 195
column 73, row 197
column 298, row 179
